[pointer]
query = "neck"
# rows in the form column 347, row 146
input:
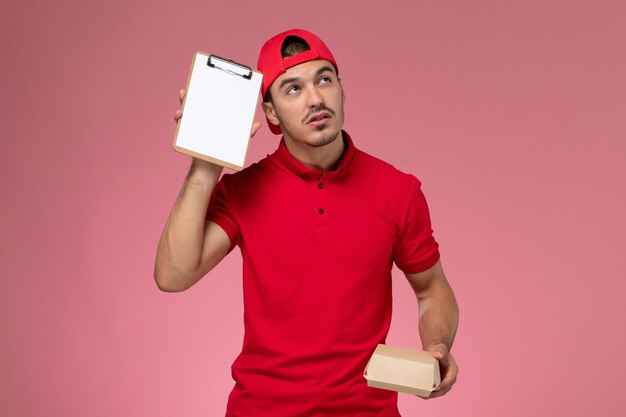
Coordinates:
column 320, row 158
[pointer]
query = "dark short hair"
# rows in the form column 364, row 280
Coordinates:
column 292, row 45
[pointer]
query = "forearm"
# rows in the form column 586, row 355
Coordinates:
column 438, row 315
column 179, row 254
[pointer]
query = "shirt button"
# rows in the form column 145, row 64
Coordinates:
column 321, row 211
column 320, row 185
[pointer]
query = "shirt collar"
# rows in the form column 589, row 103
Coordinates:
column 302, row 171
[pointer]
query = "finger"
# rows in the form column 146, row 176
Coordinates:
column 446, row 384
column 438, row 350
column 181, row 95
column 255, row 128
column 449, row 373
column 443, row 358
column 177, row 115
column 438, row 393
column 443, row 388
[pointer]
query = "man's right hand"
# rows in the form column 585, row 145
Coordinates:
column 179, row 113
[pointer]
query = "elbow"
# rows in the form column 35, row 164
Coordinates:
column 170, row 281
column 168, row 287
column 164, row 284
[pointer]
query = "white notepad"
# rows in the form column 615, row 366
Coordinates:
column 218, row 111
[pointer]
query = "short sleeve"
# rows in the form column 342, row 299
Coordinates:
column 415, row 249
column 219, row 212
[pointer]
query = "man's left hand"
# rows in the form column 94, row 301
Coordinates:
column 447, row 367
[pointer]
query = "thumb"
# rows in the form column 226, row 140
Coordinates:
column 439, row 351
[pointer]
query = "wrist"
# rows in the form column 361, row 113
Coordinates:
column 203, row 171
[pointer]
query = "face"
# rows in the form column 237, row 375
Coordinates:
column 307, row 102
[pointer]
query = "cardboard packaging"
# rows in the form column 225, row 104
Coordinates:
column 403, row 369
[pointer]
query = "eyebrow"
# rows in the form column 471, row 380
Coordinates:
column 317, row 73
column 324, row 69
column 287, row 81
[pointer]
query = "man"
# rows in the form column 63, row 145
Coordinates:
column 319, row 224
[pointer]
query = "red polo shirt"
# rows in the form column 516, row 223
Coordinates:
column 317, row 251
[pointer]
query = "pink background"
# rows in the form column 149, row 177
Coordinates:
column 512, row 113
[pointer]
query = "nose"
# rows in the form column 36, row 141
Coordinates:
column 314, row 97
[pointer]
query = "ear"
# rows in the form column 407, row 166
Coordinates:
column 343, row 93
column 270, row 112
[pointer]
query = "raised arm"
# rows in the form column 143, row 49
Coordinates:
column 438, row 319
column 190, row 246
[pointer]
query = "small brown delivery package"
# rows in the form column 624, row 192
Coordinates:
column 403, row 369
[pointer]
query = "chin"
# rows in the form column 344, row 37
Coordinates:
column 325, row 138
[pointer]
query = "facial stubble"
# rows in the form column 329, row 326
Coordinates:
column 330, row 136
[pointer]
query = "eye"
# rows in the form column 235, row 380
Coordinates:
column 292, row 90
column 325, row 80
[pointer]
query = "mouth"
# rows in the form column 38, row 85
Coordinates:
column 319, row 118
